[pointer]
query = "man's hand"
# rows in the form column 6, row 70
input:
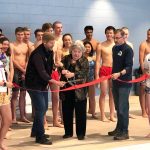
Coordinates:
column 115, row 75
column 61, row 83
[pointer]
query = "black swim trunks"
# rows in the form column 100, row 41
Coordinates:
column 18, row 80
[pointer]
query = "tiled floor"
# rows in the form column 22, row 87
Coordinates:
column 96, row 138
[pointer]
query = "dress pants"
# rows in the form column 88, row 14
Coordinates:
column 69, row 104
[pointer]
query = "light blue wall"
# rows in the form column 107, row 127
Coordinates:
column 75, row 14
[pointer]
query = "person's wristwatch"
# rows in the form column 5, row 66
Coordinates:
column 4, row 84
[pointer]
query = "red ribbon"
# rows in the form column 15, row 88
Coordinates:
column 85, row 84
column 143, row 77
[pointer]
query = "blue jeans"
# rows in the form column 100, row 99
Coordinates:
column 121, row 100
column 40, row 103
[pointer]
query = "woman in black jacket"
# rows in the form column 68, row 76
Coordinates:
column 75, row 72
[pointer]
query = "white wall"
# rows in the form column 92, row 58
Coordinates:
column 75, row 14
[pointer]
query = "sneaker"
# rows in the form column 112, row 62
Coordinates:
column 67, row 136
column 44, row 141
column 121, row 136
column 114, row 132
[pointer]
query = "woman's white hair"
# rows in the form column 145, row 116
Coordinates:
column 78, row 44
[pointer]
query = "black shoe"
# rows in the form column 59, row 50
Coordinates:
column 67, row 136
column 46, row 136
column 80, row 137
column 121, row 136
column 114, row 132
column 44, row 141
column 34, row 135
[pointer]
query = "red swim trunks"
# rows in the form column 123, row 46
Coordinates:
column 105, row 71
column 55, row 75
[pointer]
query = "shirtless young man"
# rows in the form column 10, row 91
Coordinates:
column 104, row 68
column 38, row 36
column 47, row 27
column 144, row 49
column 27, row 36
column 38, row 40
column 57, row 27
column 126, row 31
column 20, row 56
column 88, row 30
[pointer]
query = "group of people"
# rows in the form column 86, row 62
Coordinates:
column 54, row 61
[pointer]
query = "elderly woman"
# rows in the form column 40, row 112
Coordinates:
column 75, row 71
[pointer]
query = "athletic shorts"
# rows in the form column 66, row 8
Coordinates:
column 18, row 80
column 105, row 71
